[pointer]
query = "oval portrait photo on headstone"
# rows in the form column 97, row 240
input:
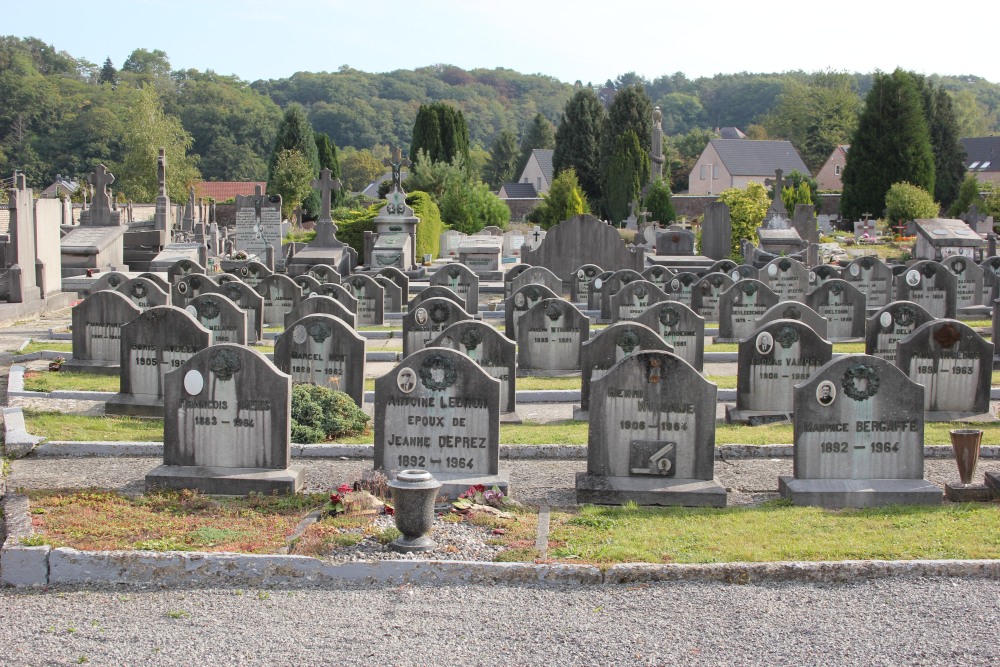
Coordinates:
column 420, row 316
column 812, row 276
column 299, row 334
column 764, row 342
column 519, row 300
column 855, row 270
column 772, row 270
column 194, row 382
column 826, row 392
column 885, row 320
column 406, row 380
column 675, row 284
column 913, row 278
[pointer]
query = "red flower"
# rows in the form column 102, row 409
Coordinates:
column 344, row 488
column 390, row 510
column 335, row 498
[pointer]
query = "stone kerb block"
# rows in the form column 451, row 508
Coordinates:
column 859, row 437
column 227, row 426
column 323, row 350
column 439, row 411
column 955, row 366
column 680, row 327
column 652, row 435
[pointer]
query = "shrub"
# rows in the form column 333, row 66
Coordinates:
column 321, row 413
column 747, row 207
column 431, row 227
column 352, row 225
column 905, row 202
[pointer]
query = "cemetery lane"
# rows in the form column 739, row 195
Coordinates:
column 887, row 622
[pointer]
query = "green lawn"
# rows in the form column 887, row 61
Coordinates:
column 69, row 380
column 61, row 426
column 42, row 345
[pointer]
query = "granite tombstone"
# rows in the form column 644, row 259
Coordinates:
column 323, row 350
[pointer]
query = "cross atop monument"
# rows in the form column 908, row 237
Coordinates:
column 397, row 162
column 326, row 186
column 777, row 182
column 632, row 205
column 101, row 179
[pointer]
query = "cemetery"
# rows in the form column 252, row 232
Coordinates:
column 522, row 396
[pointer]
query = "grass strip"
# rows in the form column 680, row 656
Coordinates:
column 43, row 345
column 773, row 531
column 76, row 428
column 69, row 380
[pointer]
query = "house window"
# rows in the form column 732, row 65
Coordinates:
column 836, row 170
column 702, row 173
column 715, row 172
column 539, row 186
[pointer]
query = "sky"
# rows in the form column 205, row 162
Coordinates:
column 584, row 40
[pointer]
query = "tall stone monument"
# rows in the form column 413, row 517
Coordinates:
column 97, row 243
column 325, row 248
column 397, row 223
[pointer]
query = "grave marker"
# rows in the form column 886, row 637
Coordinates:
column 873, row 278
column 930, row 285
column 460, row 280
column 844, row 307
column 425, row 322
column 549, row 337
column 607, row 348
column 323, row 350
column 740, row 307
column 680, row 327
column 891, row 324
column 493, row 351
column 97, row 323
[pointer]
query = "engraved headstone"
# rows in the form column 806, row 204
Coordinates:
column 450, row 241
column 227, row 426
column 793, row 310
column 607, row 348
column 549, row 337
column 425, row 322
column 652, row 435
column 258, row 223
column 518, row 303
column 788, row 278
column 439, row 411
column 340, row 293
column 680, row 327
column 675, row 242
column 144, row 293
column 955, row 366
column 181, row 268
column 536, row 275
column 594, row 289
column 859, row 438
column 724, row 266
column 402, row 281
column 891, row 324
column 820, row 274
column 739, row 308
column 580, row 240
column 717, row 232
column 658, row 275
column 612, row 285
column 190, row 286
column 509, row 276
column 323, row 350
column 111, row 280
column 392, row 296
column 221, row 316
column 325, row 273
column 991, row 278
column 307, row 284
column 843, row 306
column 582, row 278
column 874, row 278
column 462, row 281
column 931, row 285
column 435, row 292
column 97, row 323
column 252, row 273
column 494, row 352
column 969, row 283
column 706, row 292
column 633, row 299
column 247, row 299
column 370, row 297
column 771, row 361
column 680, row 286
column 281, row 294
column 156, row 342
column 320, row 304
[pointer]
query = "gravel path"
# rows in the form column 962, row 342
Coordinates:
column 900, row 622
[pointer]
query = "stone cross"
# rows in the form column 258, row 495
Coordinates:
column 101, row 179
column 396, row 163
column 326, row 186
column 777, row 182
column 161, row 171
column 632, row 205
column 298, row 215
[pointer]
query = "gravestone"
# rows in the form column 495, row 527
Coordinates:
column 439, row 411
column 247, row 299
column 324, row 248
column 533, row 239
column 680, row 286
column 144, row 293
column 401, row 280
column 323, row 350
column 724, row 266
column 425, row 322
column 891, row 324
column 658, row 275
column 844, row 307
column 706, row 292
column 512, row 242
column 520, row 302
column 258, row 224
column 740, row 306
column 969, row 281
column 793, row 310
column 325, row 273
column 873, row 278
column 940, row 238
column 309, row 285
column 319, row 304
column 156, row 342
column 859, row 438
column 955, row 366
column 675, row 241
column 370, row 296
column 436, row 292
column 612, row 285
column 680, row 327
column 449, row 242
column 111, row 280
column 821, row 274
column 494, row 352
column 931, row 285
column 181, row 268
column 460, row 280
column 97, row 243
column 158, row 279
column 188, row 287
column 508, row 277
column 482, row 254
column 281, row 294
column 717, row 232
column 634, row 299
column 97, row 323
column 221, row 316
column 804, row 222
column 340, row 293
column 227, row 426
column 392, row 250
column 742, row 272
column 607, row 348
column 578, row 286
column 786, row 277
column 536, row 275
column 549, row 337
column 392, row 296
column 865, row 227
column 652, row 435
column 252, row 273
column 594, row 289
column 771, row 361
column 579, row 240
column 991, row 271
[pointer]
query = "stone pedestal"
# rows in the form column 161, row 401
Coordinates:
column 838, row 493
column 226, row 481
column 606, row 490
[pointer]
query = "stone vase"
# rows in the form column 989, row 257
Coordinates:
column 965, row 443
column 413, row 494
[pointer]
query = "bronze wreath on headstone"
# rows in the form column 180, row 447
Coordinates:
column 437, row 373
column 860, row 382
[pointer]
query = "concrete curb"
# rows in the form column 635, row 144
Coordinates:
column 729, row 452
column 17, row 441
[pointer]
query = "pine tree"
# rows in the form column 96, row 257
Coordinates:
column 578, row 140
column 891, row 145
column 949, row 156
column 502, row 164
column 540, row 134
column 658, row 203
column 327, row 152
column 440, row 131
column 108, row 73
column 296, row 134
column 631, row 112
column 626, row 171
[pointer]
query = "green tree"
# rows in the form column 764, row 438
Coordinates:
column 658, row 203
column 974, row 119
column 145, row 130
column 968, row 194
column 296, row 134
column 435, row 178
column 949, row 156
column 905, row 202
column 501, row 167
column 631, row 111
column 468, row 206
column 625, row 172
column 327, row 152
column 440, row 131
column 109, row 74
column 564, row 200
column 292, row 179
column 891, row 145
column 540, row 134
column 801, row 189
column 578, row 141
column 747, row 207
column 358, row 168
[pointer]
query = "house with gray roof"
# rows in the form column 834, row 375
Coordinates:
column 732, row 163
column 982, row 158
column 538, row 171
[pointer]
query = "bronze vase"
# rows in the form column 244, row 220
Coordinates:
column 965, row 443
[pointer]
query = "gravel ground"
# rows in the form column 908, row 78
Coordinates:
column 888, row 622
